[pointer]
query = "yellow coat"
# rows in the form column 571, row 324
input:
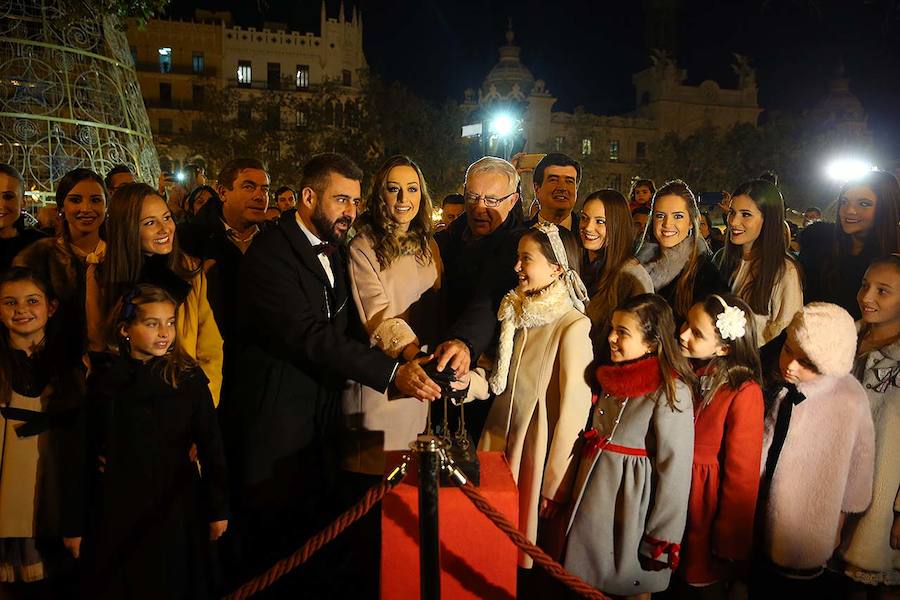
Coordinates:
column 199, row 334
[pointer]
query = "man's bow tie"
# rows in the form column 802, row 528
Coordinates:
column 326, row 248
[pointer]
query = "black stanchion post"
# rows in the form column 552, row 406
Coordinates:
column 428, row 452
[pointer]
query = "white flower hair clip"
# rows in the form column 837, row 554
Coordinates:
column 731, row 322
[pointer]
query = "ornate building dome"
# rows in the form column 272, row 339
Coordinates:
column 840, row 105
column 509, row 79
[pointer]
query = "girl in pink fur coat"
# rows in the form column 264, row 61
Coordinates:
column 818, row 454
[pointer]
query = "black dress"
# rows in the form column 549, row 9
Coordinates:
column 148, row 535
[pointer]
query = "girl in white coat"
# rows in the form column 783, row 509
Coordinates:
column 542, row 394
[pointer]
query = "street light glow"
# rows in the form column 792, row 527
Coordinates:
column 846, row 169
column 502, row 125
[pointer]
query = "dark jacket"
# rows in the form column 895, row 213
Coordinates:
column 10, row 247
column 282, row 412
column 205, row 238
column 61, row 487
column 149, row 533
column 477, row 274
column 575, row 219
column 707, row 281
column 830, row 278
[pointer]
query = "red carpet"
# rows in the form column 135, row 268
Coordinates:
column 477, row 560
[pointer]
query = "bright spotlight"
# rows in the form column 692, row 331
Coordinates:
column 848, row 168
column 502, row 125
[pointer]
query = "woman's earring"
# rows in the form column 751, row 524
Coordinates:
column 127, row 338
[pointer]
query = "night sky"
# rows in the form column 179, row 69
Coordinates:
column 587, row 50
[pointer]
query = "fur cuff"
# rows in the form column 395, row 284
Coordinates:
column 392, row 336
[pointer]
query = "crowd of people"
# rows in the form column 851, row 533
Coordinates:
column 197, row 377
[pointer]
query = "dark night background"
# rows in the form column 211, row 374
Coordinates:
column 587, row 51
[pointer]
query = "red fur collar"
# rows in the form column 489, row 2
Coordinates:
column 630, row 379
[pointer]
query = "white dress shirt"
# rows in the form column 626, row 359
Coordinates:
column 315, row 241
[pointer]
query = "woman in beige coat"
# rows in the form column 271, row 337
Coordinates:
column 395, row 274
column 542, row 395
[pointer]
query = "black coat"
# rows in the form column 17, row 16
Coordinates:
column 204, row 237
column 707, row 281
column 575, row 220
column 10, row 247
column 830, row 278
column 150, row 511
column 478, row 272
column 282, row 412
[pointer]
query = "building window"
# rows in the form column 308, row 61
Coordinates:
column 560, row 140
column 300, row 118
column 198, row 62
column 244, row 73
column 347, row 77
column 133, row 55
column 198, row 94
column 274, row 151
column 165, row 94
column 613, row 150
column 586, row 147
column 640, row 152
column 614, row 182
column 273, row 76
column 302, row 77
column 165, row 60
column 273, row 117
column 165, row 126
column 244, row 113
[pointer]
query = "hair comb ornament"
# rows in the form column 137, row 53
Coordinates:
column 731, row 322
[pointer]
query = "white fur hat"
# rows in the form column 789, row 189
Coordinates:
column 827, row 335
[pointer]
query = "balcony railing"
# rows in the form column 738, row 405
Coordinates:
column 173, row 104
column 153, row 67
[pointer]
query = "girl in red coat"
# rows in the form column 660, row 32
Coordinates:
column 720, row 339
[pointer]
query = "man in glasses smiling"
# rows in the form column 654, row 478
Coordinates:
column 479, row 252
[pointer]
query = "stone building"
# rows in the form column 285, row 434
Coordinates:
column 613, row 147
column 179, row 63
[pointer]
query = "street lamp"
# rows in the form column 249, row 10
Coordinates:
column 503, row 128
column 846, row 169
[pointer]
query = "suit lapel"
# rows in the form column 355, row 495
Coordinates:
column 302, row 247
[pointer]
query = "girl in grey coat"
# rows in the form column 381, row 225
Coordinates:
column 633, row 486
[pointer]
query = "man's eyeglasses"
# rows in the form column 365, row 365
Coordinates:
column 489, row 201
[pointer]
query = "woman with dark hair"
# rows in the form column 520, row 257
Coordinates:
column 65, row 261
column 642, row 191
column 14, row 236
column 868, row 227
column 674, row 253
column 143, row 244
column 608, row 267
column 198, row 197
column 756, row 262
column 395, row 272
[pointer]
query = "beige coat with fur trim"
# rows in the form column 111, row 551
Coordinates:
column 537, row 418
column 398, row 306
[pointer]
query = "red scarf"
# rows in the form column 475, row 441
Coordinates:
column 632, row 378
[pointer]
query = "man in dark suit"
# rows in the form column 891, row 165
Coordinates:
column 556, row 179
column 479, row 252
column 223, row 230
column 282, row 413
